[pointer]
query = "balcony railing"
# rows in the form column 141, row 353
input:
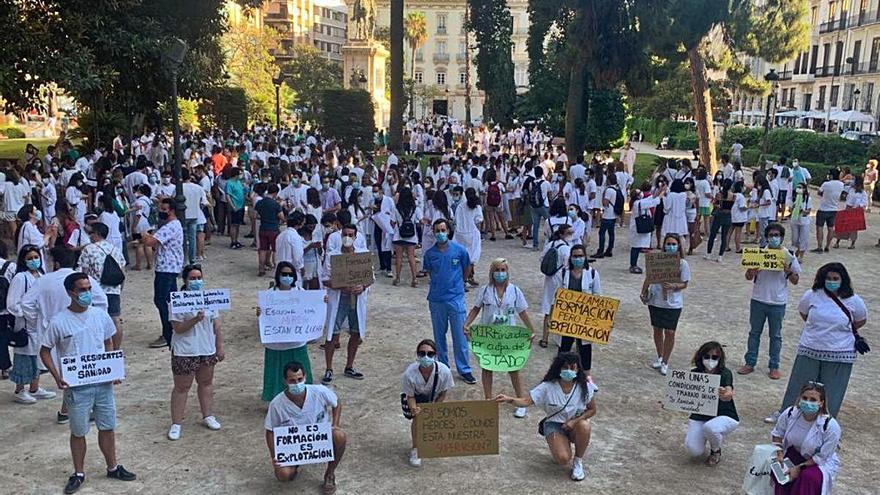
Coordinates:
column 863, row 18
column 441, row 29
column 461, row 58
column 835, row 25
column 785, row 75
column 441, row 58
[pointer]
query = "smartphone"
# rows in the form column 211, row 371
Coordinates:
column 780, row 470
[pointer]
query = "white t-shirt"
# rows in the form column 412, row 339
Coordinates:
column 578, row 171
column 827, row 327
column 198, row 340
column 195, row 196
column 73, row 334
column 703, row 188
column 771, row 287
column 674, row 298
column 550, row 397
column 608, row 210
column 316, row 408
column 503, row 310
column 830, row 190
column 412, row 382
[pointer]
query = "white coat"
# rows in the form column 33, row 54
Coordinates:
column 383, row 218
column 820, row 443
column 333, row 296
column 674, row 218
column 641, row 207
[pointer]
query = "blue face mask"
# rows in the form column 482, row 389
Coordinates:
column 572, row 214
column 568, row 375
column 774, row 241
column 195, row 284
column 499, row 276
column 286, row 280
column 808, row 407
column 34, row 264
column 84, row 299
column 38, row 215
column 426, row 362
column 832, row 286
column 578, row 262
column 442, row 237
column 671, row 248
column 296, row 388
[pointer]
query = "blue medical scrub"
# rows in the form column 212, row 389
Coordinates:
column 446, row 300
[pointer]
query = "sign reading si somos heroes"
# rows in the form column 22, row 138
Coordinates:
column 191, row 301
column 500, row 347
column 350, row 269
column 662, row 267
column 288, row 316
column 303, row 444
column 692, row 392
column 765, row 259
column 88, row 369
column 451, row 429
column 584, row 316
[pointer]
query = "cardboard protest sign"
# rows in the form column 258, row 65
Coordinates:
column 692, row 392
column 191, row 301
column 849, row 220
column 452, row 429
column 662, row 267
column 500, row 347
column 288, row 316
column 765, row 259
column 584, row 316
column 88, row 369
column 350, row 269
column 298, row 445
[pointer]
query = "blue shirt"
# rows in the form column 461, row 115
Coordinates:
column 447, row 271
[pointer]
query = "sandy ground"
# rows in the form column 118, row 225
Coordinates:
column 637, row 446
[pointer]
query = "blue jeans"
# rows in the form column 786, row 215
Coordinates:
column 163, row 285
column 606, row 226
column 773, row 314
column 634, row 256
column 538, row 214
column 450, row 314
column 190, row 233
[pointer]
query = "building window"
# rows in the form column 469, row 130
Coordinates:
column 462, row 77
column 814, row 15
column 820, row 104
column 866, row 97
column 441, row 78
column 418, row 77
column 835, row 91
column 462, row 48
column 441, row 47
column 832, row 11
column 441, row 23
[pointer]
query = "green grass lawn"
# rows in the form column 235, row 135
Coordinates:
column 643, row 168
column 14, row 148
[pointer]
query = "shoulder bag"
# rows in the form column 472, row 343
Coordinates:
column 861, row 345
column 420, row 398
column 541, row 423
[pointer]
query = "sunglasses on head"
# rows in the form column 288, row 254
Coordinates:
column 816, row 384
column 426, row 353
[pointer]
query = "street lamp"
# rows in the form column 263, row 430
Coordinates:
column 277, row 80
column 173, row 59
column 773, row 78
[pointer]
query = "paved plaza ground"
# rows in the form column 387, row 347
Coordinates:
column 637, row 447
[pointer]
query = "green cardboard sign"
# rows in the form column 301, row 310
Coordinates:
column 500, row 347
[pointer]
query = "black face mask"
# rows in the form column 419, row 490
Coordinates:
column 163, row 216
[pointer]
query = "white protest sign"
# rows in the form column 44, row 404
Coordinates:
column 288, row 316
column 303, row 444
column 192, row 301
column 692, row 392
column 88, row 369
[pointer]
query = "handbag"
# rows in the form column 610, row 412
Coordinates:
column 541, row 423
column 21, row 337
column 404, row 404
column 861, row 345
column 644, row 222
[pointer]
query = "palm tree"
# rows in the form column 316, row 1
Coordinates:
column 415, row 30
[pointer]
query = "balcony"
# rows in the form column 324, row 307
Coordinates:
column 785, row 75
column 862, row 68
column 441, row 58
column 461, row 58
column 441, row 30
column 835, row 25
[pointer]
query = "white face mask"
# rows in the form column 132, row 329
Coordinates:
column 710, row 364
column 347, row 242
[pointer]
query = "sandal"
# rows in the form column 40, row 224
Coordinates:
column 542, row 343
column 396, row 282
column 329, row 485
column 714, row 457
column 414, row 284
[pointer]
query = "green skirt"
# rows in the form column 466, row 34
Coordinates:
column 273, row 369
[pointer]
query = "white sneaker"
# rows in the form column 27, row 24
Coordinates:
column 707, row 256
column 414, row 460
column 520, row 412
column 773, row 418
column 24, row 397
column 389, row 274
column 212, row 423
column 664, row 368
column 720, row 260
column 42, row 393
column 577, row 469
column 657, row 363
column 174, row 432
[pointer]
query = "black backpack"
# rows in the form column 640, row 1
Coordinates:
column 4, row 285
column 536, row 196
column 550, row 260
column 407, row 227
column 112, row 273
column 618, row 201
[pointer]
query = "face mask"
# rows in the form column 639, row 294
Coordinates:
column 568, row 375
column 294, row 182
column 166, row 180
column 426, row 362
column 347, row 241
column 456, row 198
column 296, row 388
column 38, row 215
column 687, row 187
column 84, row 299
column 195, row 284
column 286, row 280
column 163, row 215
column 33, row 264
column 499, row 276
column 325, row 186
column 808, row 407
column 578, row 261
column 710, row 364
column 356, row 185
column 832, row 286
column 572, row 214
column 441, row 237
column 671, row 248
column 775, row 241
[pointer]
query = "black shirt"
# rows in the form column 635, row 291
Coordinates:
column 725, row 408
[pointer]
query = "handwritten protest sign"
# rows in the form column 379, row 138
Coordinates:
column 583, row 316
column 692, row 392
column 291, row 315
column 350, row 269
column 303, row 444
column 88, row 369
column 451, row 429
column 662, row 267
column 500, row 347
column 765, row 259
column 191, row 301
column 849, row 220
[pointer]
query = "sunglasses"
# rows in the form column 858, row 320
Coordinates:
column 429, row 354
column 816, row 384
column 711, row 356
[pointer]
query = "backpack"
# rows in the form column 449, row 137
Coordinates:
column 112, row 273
column 536, row 196
column 407, row 227
column 493, row 194
column 618, row 201
column 4, row 285
column 550, row 261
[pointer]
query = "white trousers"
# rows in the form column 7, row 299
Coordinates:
column 713, row 430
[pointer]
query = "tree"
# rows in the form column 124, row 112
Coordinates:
column 491, row 24
column 416, row 34
column 251, row 66
column 347, row 116
column 308, row 75
column 395, row 127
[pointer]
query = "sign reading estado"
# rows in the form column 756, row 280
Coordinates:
column 692, row 392
column 584, row 316
column 500, row 347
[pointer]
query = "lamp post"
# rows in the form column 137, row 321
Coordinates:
column 277, row 80
column 773, row 78
column 173, row 58
column 855, row 107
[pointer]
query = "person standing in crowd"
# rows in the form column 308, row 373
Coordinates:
column 289, row 245
column 829, row 342
column 303, row 404
column 578, row 276
column 8, row 270
column 168, row 243
column 446, row 263
column 425, row 381
column 610, row 212
column 675, row 211
column 383, row 232
column 93, row 262
column 702, row 428
column 722, row 219
column 539, row 202
column 565, row 383
column 553, row 259
column 665, row 302
column 312, row 252
column 141, row 209
column 830, row 192
column 802, row 206
column 270, row 214
column 809, row 437
column 29, row 232
column 468, row 219
column 501, row 302
column 196, row 347
column 196, row 200
column 235, row 193
column 769, row 296
column 405, row 217
column 84, row 329
column 870, row 180
column 857, row 198
column 641, row 208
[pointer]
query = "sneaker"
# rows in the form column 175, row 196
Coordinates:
column 24, row 397
column 745, row 369
column 774, row 375
column 158, row 343
column 664, row 369
column 598, row 255
column 74, row 483
column 61, row 419
column 414, row 460
column 122, row 474
column 353, row 373
column 174, row 432
column 707, row 256
column 657, row 363
column 211, row 423
column 520, row 412
column 468, row 378
column 773, row 418
column 388, row 274
column 42, row 393
column 577, row 470
column 328, row 377
column 720, row 260
column 608, row 254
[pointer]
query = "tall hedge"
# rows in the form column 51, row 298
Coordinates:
column 347, row 115
column 606, row 121
column 224, row 107
column 805, row 146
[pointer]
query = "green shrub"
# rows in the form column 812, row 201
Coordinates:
column 224, row 107
column 655, row 130
column 805, row 146
column 347, row 115
column 749, row 137
column 12, row 132
column 606, row 121
column 818, row 171
column 686, row 141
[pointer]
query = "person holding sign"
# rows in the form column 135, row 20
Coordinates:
column 302, row 404
column 568, row 399
column 709, row 358
column 769, row 296
column 580, row 277
column 79, row 330
column 196, row 346
column 424, row 381
column 665, row 302
column 500, row 302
